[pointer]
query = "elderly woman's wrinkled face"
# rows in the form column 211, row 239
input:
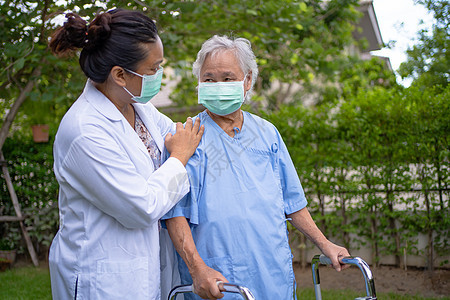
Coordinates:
column 223, row 67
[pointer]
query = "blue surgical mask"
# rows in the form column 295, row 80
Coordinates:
column 151, row 85
column 221, row 98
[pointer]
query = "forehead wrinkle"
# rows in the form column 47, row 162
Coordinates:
column 219, row 65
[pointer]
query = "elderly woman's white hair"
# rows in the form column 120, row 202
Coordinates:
column 240, row 46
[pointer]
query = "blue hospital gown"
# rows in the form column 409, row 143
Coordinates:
column 242, row 187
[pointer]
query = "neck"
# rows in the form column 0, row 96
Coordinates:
column 228, row 122
column 114, row 95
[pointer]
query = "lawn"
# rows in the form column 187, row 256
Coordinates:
column 34, row 283
column 25, row 283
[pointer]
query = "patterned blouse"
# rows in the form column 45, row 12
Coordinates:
column 148, row 141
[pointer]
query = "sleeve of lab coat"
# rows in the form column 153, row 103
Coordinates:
column 101, row 171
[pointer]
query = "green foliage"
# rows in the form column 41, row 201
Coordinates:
column 6, row 244
column 294, row 42
column 357, row 74
column 30, row 167
column 356, row 153
column 375, row 166
column 23, row 44
column 428, row 61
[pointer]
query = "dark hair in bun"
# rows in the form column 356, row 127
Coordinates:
column 113, row 38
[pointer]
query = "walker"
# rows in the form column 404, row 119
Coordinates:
column 316, row 261
column 229, row 288
column 361, row 264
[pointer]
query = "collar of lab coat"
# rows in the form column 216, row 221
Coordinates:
column 101, row 103
column 105, row 107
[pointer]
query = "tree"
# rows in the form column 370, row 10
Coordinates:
column 428, row 62
column 294, row 42
column 29, row 70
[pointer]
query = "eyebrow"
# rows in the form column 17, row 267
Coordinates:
column 231, row 74
column 209, row 74
column 159, row 62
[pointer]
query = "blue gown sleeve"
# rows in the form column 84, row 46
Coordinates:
column 188, row 205
column 293, row 194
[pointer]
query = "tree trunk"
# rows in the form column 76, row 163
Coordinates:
column 430, row 257
column 323, row 225
column 16, row 105
column 373, row 220
column 345, row 235
column 428, row 228
column 389, row 186
column 437, row 164
column 395, row 235
column 304, row 259
column 374, row 230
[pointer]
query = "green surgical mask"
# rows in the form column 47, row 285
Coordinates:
column 151, row 85
column 221, row 98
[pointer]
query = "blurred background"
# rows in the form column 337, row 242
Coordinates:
column 358, row 90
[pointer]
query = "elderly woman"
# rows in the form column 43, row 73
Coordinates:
column 244, row 187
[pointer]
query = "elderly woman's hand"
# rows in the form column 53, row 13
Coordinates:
column 206, row 282
column 336, row 253
column 183, row 143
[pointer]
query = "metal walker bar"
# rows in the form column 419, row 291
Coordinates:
column 229, row 288
column 357, row 261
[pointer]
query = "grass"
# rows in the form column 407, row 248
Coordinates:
column 34, row 283
column 25, row 283
column 308, row 293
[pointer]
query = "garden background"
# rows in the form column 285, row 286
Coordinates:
column 372, row 155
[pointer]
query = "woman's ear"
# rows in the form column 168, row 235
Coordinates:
column 248, row 81
column 118, row 76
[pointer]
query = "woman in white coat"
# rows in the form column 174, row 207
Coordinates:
column 114, row 185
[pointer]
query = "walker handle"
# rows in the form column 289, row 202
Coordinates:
column 350, row 260
column 229, row 288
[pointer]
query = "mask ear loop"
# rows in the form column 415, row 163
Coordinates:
column 128, row 70
column 134, row 73
column 243, row 83
column 129, row 92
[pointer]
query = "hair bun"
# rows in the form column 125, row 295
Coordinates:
column 99, row 30
column 70, row 36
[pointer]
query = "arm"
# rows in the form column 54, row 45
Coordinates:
column 204, row 278
column 304, row 223
column 102, row 173
column 295, row 208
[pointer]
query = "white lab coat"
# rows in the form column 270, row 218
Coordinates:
column 110, row 201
